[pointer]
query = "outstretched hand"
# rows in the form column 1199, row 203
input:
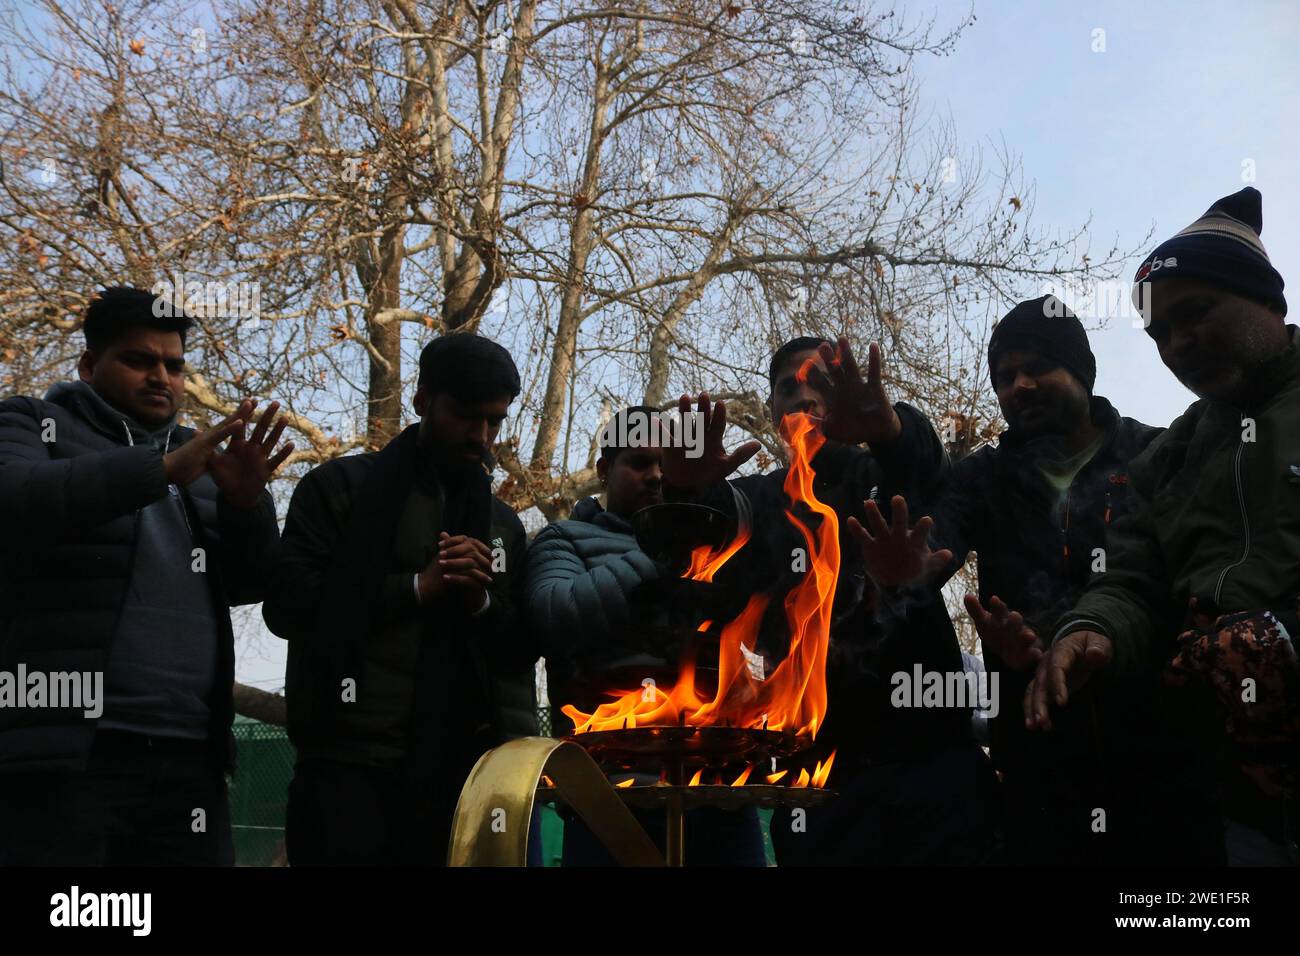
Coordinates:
column 714, row 462
column 1063, row 670
column 188, row 462
column 894, row 555
column 857, row 411
column 243, row 469
column 1005, row 632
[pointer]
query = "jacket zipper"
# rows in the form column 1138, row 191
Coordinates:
column 130, row 571
column 1065, row 536
column 1093, row 720
column 1245, row 526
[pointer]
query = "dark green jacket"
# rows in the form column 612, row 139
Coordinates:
column 1214, row 514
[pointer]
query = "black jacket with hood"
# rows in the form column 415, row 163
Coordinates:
column 74, row 478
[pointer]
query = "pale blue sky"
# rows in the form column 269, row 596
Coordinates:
column 1148, row 133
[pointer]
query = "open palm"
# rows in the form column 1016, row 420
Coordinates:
column 893, row 555
column 243, row 469
column 713, row 462
column 857, row 409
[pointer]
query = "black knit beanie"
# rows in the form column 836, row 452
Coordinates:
column 1222, row 247
column 1047, row 325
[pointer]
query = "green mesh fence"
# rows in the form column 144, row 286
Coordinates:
column 259, row 792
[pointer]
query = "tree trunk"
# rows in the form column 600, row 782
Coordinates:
column 384, row 394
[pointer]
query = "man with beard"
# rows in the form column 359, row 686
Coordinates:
column 396, row 593
column 913, row 786
column 1035, row 508
column 1202, row 576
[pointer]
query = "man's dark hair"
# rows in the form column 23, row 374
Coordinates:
column 608, row 437
column 118, row 308
column 469, row 368
column 796, row 345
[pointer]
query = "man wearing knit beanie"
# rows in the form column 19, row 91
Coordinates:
column 1204, row 574
column 1212, row 299
column 1035, row 508
column 1044, row 334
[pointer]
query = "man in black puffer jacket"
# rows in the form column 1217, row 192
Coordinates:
column 125, row 538
column 593, row 594
column 600, row 607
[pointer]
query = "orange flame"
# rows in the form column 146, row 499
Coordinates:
column 706, row 561
column 776, row 777
column 695, row 780
column 803, row 778
column 793, row 697
column 626, row 783
column 821, row 774
column 740, row 781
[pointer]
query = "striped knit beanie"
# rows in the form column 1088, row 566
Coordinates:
column 1223, row 248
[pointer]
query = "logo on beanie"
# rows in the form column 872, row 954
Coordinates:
column 1155, row 265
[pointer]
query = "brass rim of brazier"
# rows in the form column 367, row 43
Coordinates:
column 767, row 796
column 491, row 824
column 657, row 747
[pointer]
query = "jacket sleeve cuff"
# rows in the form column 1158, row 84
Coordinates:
column 1080, row 624
column 237, row 520
column 908, row 452
column 145, row 481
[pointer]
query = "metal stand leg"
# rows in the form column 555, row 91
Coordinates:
column 675, row 835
